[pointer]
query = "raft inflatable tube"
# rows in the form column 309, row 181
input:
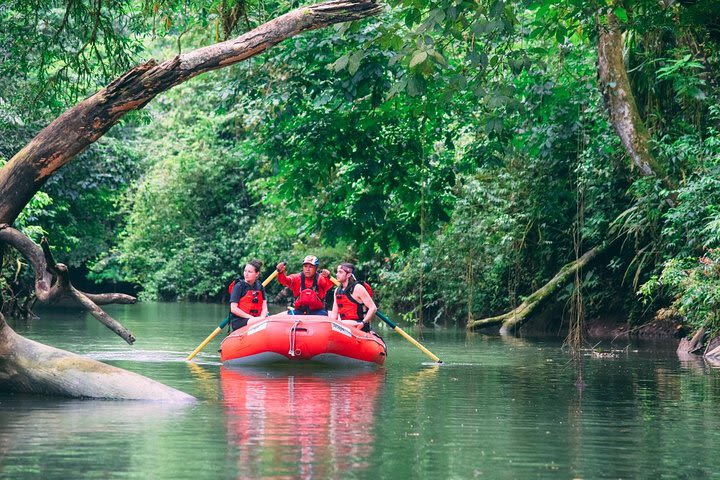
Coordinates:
column 284, row 338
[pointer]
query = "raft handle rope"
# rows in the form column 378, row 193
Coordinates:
column 293, row 334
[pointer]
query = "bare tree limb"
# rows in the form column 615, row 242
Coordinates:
column 52, row 282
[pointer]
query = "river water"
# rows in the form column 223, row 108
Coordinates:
column 500, row 408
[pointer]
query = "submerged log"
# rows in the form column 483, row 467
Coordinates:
column 27, row 366
column 509, row 322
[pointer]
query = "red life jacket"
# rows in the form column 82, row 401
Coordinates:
column 232, row 285
column 252, row 301
column 348, row 307
column 309, row 298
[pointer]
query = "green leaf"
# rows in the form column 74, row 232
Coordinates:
column 419, row 57
column 621, row 13
column 354, row 62
column 340, row 63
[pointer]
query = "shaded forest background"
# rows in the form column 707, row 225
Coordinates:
column 459, row 152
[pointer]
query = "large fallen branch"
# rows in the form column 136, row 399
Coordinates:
column 74, row 130
column 511, row 321
column 30, row 367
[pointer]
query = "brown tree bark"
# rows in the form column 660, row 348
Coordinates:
column 28, row 366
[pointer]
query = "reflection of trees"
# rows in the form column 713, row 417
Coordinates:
column 303, row 425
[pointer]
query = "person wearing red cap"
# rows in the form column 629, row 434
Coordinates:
column 308, row 287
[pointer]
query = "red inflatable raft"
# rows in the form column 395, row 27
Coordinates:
column 287, row 338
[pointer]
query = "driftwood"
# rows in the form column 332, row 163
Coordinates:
column 509, row 322
column 28, row 366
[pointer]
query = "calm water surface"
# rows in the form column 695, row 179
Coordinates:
column 500, row 408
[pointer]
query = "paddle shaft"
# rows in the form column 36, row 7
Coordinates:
column 407, row 337
column 224, row 322
column 399, row 330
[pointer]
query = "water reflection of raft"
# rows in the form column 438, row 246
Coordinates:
column 287, row 338
column 301, row 423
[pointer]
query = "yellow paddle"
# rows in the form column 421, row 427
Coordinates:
column 399, row 330
column 224, row 322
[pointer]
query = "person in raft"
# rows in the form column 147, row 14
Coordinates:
column 248, row 303
column 308, row 287
column 353, row 303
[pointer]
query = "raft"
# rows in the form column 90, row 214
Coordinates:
column 295, row 339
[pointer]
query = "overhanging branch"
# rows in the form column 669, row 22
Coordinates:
column 80, row 126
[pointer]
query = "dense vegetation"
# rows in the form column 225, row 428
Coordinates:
column 460, row 152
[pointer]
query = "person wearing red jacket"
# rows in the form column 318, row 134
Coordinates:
column 308, row 287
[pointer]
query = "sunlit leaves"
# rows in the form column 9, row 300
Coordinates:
column 419, row 57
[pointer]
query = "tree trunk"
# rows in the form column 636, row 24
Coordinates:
column 625, row 118
column 28, row 366
column 619, row 99
column 514, row 319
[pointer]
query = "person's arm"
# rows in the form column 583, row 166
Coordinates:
column 333, row 314
column 283, row 279
column 238, row 312
column 362, row 296
column 324, row 284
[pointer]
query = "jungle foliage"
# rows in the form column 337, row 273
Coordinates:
column 458, row 151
